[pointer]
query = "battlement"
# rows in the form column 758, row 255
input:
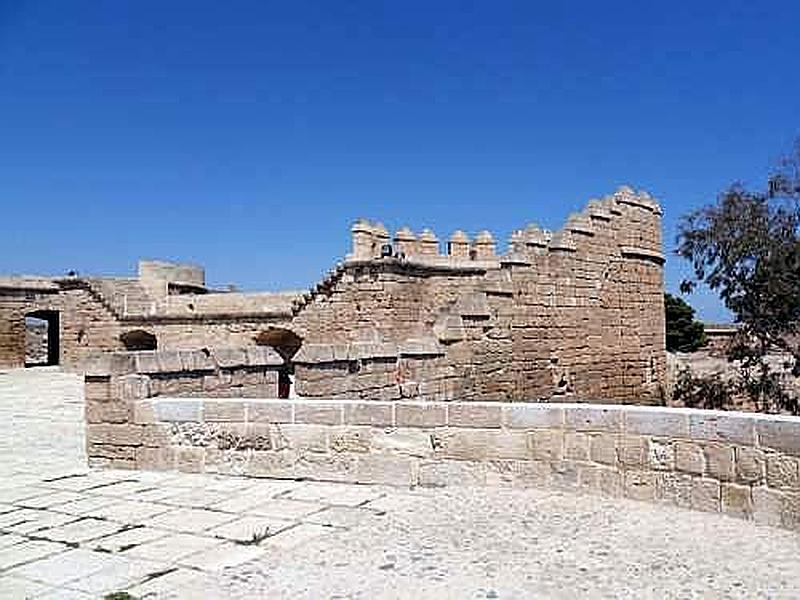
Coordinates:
column 634, row 219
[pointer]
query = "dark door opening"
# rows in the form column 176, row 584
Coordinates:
column 139, row 339
column 284, row 384
column 286, row 343
column 42, row 338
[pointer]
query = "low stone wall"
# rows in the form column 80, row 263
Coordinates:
column 115, row 382
column 741, row 464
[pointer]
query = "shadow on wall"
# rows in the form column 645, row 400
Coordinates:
column 286, row 343
column 138, row 339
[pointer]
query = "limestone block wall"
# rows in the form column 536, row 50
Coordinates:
column 744, row 465
column 115, row 381
column 575, row 313
column 12, row 333
column 567, row 314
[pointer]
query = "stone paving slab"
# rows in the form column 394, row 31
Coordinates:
column 70, row 532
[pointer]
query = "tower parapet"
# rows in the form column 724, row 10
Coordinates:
column 484, row 246
column 458, row 246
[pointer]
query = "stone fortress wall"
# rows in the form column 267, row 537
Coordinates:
column 568, row 314
column 171, row 411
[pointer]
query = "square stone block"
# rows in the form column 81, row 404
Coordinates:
column 530, row 415
column 661, row 422
column 689, row 458
column 721, row 427
column 376, row 414
column 474, row 414
column 593, row 419
column 422, row 414
column 318, row 413
column 736, row 500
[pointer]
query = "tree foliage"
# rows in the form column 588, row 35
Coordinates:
column 746, row 248
column 684, row 333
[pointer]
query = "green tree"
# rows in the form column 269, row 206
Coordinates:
column 684, row 333
column 746, row 248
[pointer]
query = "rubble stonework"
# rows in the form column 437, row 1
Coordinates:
column 576, row 313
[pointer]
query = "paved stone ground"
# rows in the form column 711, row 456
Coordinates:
column 68, row 532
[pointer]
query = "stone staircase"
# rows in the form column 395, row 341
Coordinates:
column 323, row 287
column 121, row 297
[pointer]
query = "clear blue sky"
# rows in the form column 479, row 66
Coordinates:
column 246, row 136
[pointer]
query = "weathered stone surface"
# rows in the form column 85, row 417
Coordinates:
column 736, row 500
column 178, row 410
column 640, row 485
column 633, row 451
column 532, row 416
column 593, row 419
column 674, row 488
column 421, row 414
column 719, row 461
column 722, row 427
column 477, row 445
column 661, row 455
column 474, row 414
column 451, row 472
column 780, row 433
column 604, row 448
column 767, row 506
column 656, row 422
column 783, row 471
column 224, row 410
column 689, row 457
column 319, row 413
column 750, row 464
column 546, row 444
column 576, row 446
column 705, row 494
column 267, row 411
column 379, row 414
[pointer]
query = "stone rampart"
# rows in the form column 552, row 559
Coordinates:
column 575, row 313
column 146, row 412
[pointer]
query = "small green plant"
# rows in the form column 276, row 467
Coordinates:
column 119, row 596
column 258, row 537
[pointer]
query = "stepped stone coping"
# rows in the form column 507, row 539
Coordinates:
column 328, row 353
column 180, row 361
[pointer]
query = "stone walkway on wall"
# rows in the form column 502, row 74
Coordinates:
column 68, row 532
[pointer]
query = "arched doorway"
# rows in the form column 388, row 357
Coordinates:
column 139, row 339
column 286, row 343
column 42, row 338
